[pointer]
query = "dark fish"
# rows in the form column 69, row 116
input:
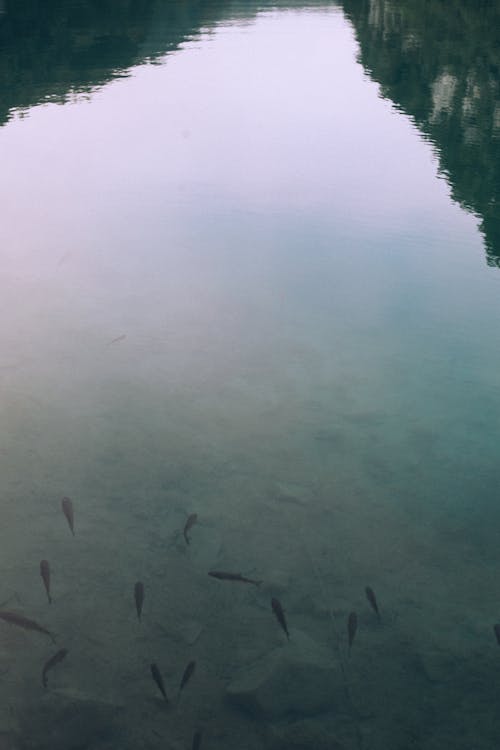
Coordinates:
column 232, row 577
column 139, row 597
column 188, row 673
column 23, row 622
column 189, row 523
column 45, row 573
column 352, row 624
column 196, row 744
column 58, row 657
column 280, row 615
column 159, row 680
column 64, row 258
column 496, row 630
column 67, row 508
column 371, row 598
column 117, row 339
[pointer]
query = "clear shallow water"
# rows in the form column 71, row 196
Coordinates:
column 235, row 282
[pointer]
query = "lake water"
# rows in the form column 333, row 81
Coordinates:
column 249, row 269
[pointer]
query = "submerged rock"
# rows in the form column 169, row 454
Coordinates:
column 9, row 741
column 300, row 678
column 291, row 493
column 191, row 631
column 65, row 720
column 301, row 735
column 205, row 546
column 276, row 582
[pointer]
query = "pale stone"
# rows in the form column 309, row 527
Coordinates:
column 300, row 678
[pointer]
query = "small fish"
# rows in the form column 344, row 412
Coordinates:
column 67, row 509
column 280, row 615
column 64, row 258
column 352, row 624
column 496, row 630
column 232, row 577
column 139, row 597
column 45, row 573
column 117, row 339
column 196, row 744
column 24, row 622
column 188, row 673
column 370, row 595
column 58, row 657
column 189, row 523
column 155, row 672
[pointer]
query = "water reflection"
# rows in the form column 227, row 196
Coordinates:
column 50, row 50
column 439, row 62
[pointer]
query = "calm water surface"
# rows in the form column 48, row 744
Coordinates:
column 249, row 269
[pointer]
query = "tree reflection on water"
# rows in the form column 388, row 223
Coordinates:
column 438, row 61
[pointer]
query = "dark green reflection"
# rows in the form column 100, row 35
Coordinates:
column 49, row 48
column 439, row 61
